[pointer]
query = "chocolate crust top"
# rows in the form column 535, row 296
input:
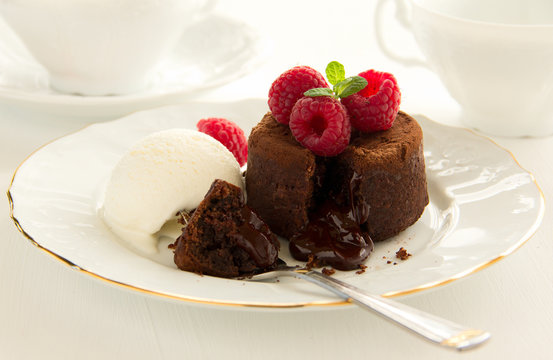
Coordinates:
column 388, row 149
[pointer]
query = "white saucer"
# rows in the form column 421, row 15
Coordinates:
column 213, row 52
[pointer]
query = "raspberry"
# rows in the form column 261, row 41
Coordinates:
column 376, row 106
column 375, row 79
column 289, row 87
column 321, row 124
column 228, row 134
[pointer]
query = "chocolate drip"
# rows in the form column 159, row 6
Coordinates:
column 333, row 235
column 255, row 238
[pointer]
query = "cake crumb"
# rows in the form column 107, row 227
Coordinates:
column 361, row 270
column 388, row 262
column 328, row 271
column 395, row 263
column 312, row 262
column 402, row 254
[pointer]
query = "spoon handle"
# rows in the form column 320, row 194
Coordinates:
column 433, row 328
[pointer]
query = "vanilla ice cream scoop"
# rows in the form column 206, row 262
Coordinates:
column 162, row 174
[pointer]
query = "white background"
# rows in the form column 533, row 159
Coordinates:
column 49, row 311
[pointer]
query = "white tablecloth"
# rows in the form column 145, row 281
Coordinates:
column 49, row 311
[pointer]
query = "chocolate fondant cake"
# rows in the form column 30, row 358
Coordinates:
column 224, row 237
column 380, row 173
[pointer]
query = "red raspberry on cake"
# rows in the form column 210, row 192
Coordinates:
column 321, row 124
column 376, row 106
column 289, row 87
column 228, row 134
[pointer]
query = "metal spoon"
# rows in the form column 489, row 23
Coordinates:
column 431, row 327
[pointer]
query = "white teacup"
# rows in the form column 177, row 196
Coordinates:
column 100, row 47
column 495, row 57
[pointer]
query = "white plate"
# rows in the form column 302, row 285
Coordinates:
column 210, row 53
column 483, row 206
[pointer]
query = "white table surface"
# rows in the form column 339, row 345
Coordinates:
column 49, row 311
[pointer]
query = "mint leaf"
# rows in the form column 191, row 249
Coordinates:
column 318, row 92
column 335, row 72
column 350, row 86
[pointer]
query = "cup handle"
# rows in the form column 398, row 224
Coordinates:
column 402, row 16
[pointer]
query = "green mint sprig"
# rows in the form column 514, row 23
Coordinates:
column 335, row 72
column 341, row 86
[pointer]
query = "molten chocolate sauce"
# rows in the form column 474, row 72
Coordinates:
column 256, row 239
column 333, row 235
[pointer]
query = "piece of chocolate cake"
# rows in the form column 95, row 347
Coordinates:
column 225, row 238
column 382, row 173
